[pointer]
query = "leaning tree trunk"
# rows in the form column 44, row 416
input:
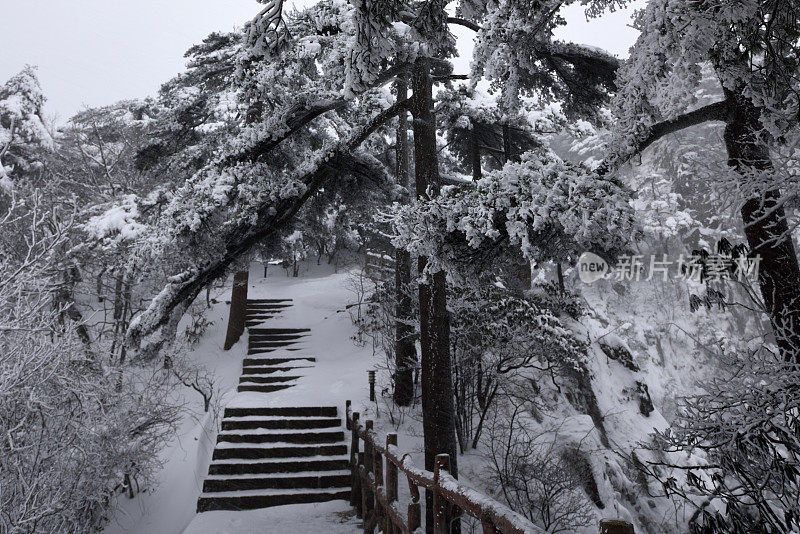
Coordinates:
column 765, row 226
column 438, row 410
column 404, row 350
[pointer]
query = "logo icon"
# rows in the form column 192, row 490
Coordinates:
column 591, row 267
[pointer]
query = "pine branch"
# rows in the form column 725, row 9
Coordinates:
column 300, row 115
column 464, row 22
column 271, row 218
column 718, row 111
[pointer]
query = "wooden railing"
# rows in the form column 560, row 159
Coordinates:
column 378, row 266
column 374, row 474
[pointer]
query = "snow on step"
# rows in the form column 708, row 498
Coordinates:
column 287, row 481
column 263, row 331
column 269, row 448
column 262, row 388
column 260, row 379
column 282, row 436
column 260, row 362
column 283, row 475
column 267, row 370
column 250, row 500
column 282, row 461
column 277, row 337
column 243, row 423
column 282, row 432
column 283, row 411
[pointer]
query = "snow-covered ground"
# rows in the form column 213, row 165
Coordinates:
column 319, row 299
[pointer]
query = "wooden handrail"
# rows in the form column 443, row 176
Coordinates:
column 379, row 498
column 374, row 490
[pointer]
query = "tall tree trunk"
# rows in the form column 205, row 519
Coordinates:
column 404, row 349
column 438, row 410
column 475, row 155
column 507, row 156
column 765, row 226
column 519, row 271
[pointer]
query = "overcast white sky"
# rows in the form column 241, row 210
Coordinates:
column 95, row 52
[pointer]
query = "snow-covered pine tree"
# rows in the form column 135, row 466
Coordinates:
column 752, row 48
column 22, row 128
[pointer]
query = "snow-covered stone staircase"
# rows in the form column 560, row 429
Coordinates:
column 271, row 456
column 259, row 310
column 265, row 371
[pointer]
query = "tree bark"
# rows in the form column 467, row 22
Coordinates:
column 507, row 156
column 404, row 349
column 438, row 410
column 765, row 226
column 519, row 271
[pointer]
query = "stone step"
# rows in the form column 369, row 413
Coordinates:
column 263, row 362
column 300, row 436
column 264, row 499
column 294, row 481
column 255, row 379
column 262, row 388
column 246, row 423
column 255, row 351
column 276, row 337
column 283, row 411
column 267, row 301
column 265, row 343
column 260, row 314
column 256, row 467
column 261, row 351
column 296, row 451
column 279, row 330
column 267, row 370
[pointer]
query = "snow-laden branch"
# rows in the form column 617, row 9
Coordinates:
column 718, row 111
column 152, row 328
column 300, row 115
column 464, row 22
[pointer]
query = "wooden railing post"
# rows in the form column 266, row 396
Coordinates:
column 369, row 496
column 363, row 488
column 615, row 526
column 391, row 475
column 440, row 519
column 347, row 406
column 381, row 514
column 414, row 516
column 355, row 479
column 238, row 312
